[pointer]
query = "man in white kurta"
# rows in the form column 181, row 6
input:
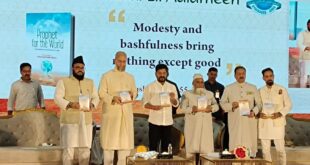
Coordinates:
column 76, row 117
column 116, row 133
column 198, row 105
column 303, row 43
column 276, row 104
column 159, row 97
column 242, row 127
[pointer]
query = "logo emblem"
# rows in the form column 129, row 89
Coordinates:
column 263, row 6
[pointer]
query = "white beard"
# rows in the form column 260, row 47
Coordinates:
column 200, row 91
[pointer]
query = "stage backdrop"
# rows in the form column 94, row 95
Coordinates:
column 188, row 35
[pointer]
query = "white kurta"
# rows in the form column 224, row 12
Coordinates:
column 198, row 127
column 303, row 41
column 79, row 134
column 242, row 129
column 278, row 97
column 151, row 94
column 116, row 131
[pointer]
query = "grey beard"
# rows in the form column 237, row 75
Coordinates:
column 200, row 91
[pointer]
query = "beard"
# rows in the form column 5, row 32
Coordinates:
column 161, row 79
column 77, row 76
column 269, row 82
column 200, row 91
column 121, row 69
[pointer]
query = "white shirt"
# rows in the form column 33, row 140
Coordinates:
column 151, row 95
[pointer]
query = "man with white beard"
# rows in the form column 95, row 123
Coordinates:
column 198, row 105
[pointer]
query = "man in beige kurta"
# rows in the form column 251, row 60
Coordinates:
column 276, row 104
column 116, row 133
column 242, row 127
column 76, row 118
column 198, row 118
column 303, row 43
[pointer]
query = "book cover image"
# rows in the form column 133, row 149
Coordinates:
column 50, row 45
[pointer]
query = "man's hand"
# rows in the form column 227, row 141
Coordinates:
column 195, row 109
column 116, row 100
column 74, row 105
column 208, row 109
column 235, row 105
column 262, row 115
column 156, row 107
column 276, row 115
column 172, row 98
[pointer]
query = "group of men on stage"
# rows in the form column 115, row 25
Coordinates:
column 240, row 102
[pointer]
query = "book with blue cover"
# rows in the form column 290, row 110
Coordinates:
column 49, row 46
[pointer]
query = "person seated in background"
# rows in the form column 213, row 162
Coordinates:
column 198, row 105
column 25, row 93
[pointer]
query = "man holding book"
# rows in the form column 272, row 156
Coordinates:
column 198, row 105
column 242, row 102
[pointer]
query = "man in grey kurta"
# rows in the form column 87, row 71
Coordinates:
column 198, row 128
column 117, row 90
column 242, row 102
column 25, row 93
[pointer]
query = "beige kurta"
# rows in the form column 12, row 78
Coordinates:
column 275, row 99
column 303, row 41
column 198, row 127
column 117, row 120
column 242, row 129
column 76, row 126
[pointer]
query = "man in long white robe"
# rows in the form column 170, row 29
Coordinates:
column 242, row 127
column 303, row 43
column 76, row 119
column 116, row 133
column 198, row 128
column 276, row 104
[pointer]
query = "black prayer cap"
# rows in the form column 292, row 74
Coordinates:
column 78, row 59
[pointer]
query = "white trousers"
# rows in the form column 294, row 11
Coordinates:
column 68, row 156
column 108, row 156
column 280, row 148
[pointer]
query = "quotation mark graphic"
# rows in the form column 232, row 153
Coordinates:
column 121, row 16
column 229, row 68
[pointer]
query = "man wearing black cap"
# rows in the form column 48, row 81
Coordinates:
column 76, row 96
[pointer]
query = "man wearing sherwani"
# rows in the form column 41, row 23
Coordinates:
column 117, row 90
column 276, row 104
column 198, row 105
column 303, row 43
column 159, row 97
column 242, row 101
column 76, row 96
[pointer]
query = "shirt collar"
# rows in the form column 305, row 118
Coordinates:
column 21, row 80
